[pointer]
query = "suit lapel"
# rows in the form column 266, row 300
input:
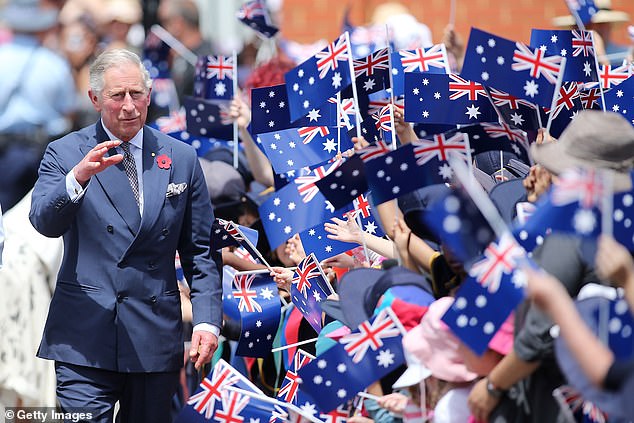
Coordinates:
column 116, row 185
column 155, row 179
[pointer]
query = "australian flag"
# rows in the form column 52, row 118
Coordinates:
column 516, row 112
column 210, row 397
column 446, row 98
column 208, row 119
column 493, row 289
column 295, row 148
column 457, row 221
column 225, row 233
column 316, row 238
column 621, row 99
column 255, row 15
column 583, row 10
column 270, row 112
column 155, row 57
column 287, row 212
column 496, row 136
column 214, row 77
column 512, row 67
column 309, row 287
column 421, row 60
column 567, row 107
column 289, row 391
column 611, row 76
column 349, row 181
column 174, row 122
column 359, row 359
column 201, row 143
column 372, row 72
column 259, row 306
column 313, row 82
column 414, row 165
column 575, row 45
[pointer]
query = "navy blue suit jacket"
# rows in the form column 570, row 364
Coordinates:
column 116, row 304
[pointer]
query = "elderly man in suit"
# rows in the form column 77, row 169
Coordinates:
column 125, row 198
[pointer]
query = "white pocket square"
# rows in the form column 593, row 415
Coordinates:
column 175, row 189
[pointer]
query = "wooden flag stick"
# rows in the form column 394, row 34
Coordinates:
column 171, row 41
column 354, row 86
column 236, row 140
column 296, row 344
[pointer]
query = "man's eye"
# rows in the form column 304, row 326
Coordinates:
column 117, row 96
column 137, row 95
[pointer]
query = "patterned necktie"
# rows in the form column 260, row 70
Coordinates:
column 130, row 170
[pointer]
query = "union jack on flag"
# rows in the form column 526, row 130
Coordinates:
column 306, row 184
column 254, row 14
column 173, row 123
column 346, row 109
column 308, row 133
column 536, row 62
column 499, row 258
column 422, row 60
column 460, row 87
column 204, row 401
column 329, row 58
column 374, row 151
column 610, row 76
column 440, row 148
column 208, row 398
column 219, row 67
column 372, row 64
column 290, row 384
column 583, row 186
column 338, row 415
column 582, row 43
column 500, row 98
column 383, row 120
column 232, row 405
column 370, row 335
column 567, row 106
column 504, row 130
column 245, row 294
column 306, row 270
column 590, row 98
column 309, row 287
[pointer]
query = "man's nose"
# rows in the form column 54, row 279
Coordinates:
column 128, row 103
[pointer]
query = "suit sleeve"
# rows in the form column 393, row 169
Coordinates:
column 52, row 211
column 196, row 255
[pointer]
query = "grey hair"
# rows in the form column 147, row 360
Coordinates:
column 110, row 59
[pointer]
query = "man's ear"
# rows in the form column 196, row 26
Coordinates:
column 94, row 99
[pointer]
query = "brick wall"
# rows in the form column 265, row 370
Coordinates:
column 309, row 20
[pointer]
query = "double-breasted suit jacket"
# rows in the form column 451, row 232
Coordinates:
column 116, row 304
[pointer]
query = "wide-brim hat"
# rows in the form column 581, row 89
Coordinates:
column 360, row 290
column 605, row 14
column 595, row 139
column 28, row 16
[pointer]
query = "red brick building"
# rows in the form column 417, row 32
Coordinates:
column 309, row 20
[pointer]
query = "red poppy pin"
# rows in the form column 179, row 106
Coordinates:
column 163, row 161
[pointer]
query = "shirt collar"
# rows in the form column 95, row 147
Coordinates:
column 136, row 141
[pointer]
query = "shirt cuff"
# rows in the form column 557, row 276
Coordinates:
column 207, row 327
column 73, row 188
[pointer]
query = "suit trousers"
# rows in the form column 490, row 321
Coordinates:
column 143, row 397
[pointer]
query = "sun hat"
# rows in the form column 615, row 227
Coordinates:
column 593, row 139
column 605, row 14
column 28, row 16
column 435, row 347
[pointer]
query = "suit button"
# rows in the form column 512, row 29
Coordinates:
column 153, row 299
column 151, row 265
column 110, row 229
column 120, row 298
column 165, row 231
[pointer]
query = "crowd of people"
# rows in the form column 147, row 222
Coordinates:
column 95, row 204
